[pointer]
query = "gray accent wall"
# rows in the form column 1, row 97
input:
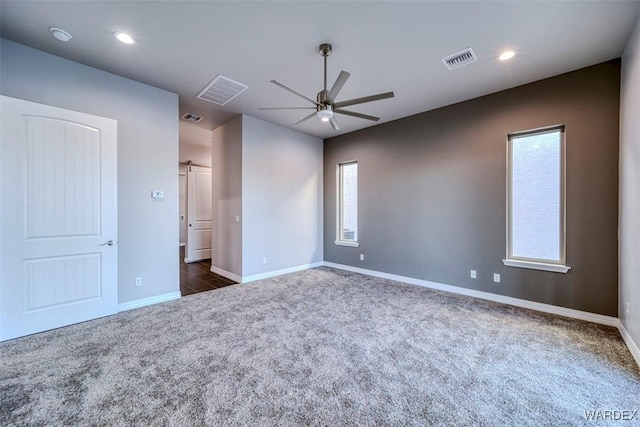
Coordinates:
column 630, row 188
column 281, row 197
column 226, row 180
column 432, row 191
column 147, row 156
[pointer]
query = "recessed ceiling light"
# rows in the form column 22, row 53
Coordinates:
column 507, row 54
column 60, row 34
column 124, row 38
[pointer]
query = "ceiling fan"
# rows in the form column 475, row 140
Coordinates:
column 325, row 103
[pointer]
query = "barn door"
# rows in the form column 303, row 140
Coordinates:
column 198, row 213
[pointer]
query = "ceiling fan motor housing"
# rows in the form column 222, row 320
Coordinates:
column 322, row 97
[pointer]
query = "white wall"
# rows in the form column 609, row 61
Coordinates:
column 281, row 197
column 198, row 154
column 226, row 176
column 195, row 144
column 147, row 155
column 630, row 187
column 195, row 133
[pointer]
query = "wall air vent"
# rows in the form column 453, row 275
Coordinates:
column 192, row 117
column 460, row 59
column 222, row 90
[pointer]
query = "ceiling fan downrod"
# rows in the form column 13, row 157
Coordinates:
column 325, row 51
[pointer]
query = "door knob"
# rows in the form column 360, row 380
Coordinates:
column 109, row 243
column 189, row 225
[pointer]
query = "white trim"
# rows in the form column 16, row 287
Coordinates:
column 226, row 274
column 533, row 265
column 182, row 244
column 633, row 347
column 352, row 244
column 561, row 128
column 538, row 306
column 254, row 277
column 340, row 205
column 129, row 305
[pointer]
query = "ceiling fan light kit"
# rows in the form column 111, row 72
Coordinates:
column 325, row 114
column 325, row 104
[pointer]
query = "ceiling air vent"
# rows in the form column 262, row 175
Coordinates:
column 222, row 90
column 460, row 59
column 192, row 117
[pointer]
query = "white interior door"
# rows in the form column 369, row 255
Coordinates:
column 198, row 213
column 58, row 213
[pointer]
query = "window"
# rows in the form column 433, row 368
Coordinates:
column 347, row 204
column 535, row 205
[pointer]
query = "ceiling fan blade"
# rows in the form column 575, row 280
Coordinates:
column 337, row 86
column 362, row 100
column 304, row 120
column 294, row 92
column 287, row 108
column 334, row 123
column 359, row 115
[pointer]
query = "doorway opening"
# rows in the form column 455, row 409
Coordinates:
column 196, row 225
column 197, row 277
column 196, row 231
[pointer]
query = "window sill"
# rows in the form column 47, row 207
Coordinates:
column 346, row 243
column 556, row 268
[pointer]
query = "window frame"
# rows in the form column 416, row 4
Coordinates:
column 535, row 263
column 340, row 241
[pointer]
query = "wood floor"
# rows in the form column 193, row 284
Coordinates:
column 197, row 277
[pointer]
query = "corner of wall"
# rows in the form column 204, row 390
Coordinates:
column 226, row 161
column 282, row 198
column 629, row 199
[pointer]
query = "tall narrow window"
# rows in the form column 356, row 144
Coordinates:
column 536, row 219
column 347, row 204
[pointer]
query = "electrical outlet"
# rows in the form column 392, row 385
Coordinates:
column 627, row 309
column 237, row 218
column 496, row 277
column 473, row 274
column 361, row 257
column 138, row 281
column 264, row 259
column 157, row 194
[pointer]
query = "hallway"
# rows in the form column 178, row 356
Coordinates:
column 197, row 277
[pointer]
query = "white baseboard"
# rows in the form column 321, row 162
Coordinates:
column 226, row 274
column 129, row 305
column 269, row 274
column 546, row 308
column 633, row 347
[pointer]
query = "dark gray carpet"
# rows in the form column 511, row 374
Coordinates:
column 320, row 347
